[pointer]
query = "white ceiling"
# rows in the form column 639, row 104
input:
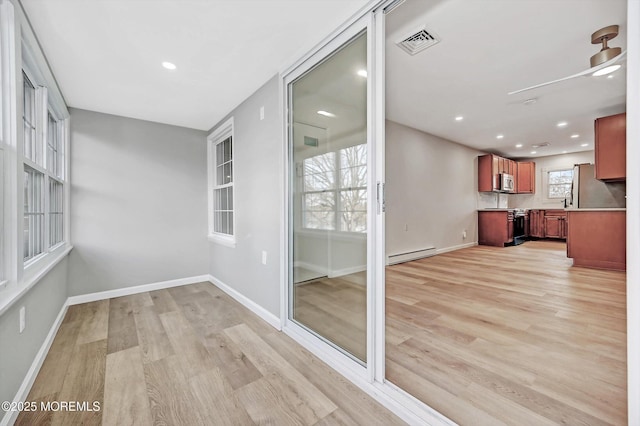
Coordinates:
column 491, row 47
column 107, row 54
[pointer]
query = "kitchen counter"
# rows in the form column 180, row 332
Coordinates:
column 610, row 209
column 597, row 238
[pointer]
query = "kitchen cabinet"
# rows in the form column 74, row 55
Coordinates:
column 597, row 238
column 495, row 228
column 526, row 177
column 611, row 147
column 490, row 167
column 548, row 224
column 536, row 223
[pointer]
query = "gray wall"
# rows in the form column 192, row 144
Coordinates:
column 138, row 202
column 431, row 187
column 43, row 303
column 258, row 168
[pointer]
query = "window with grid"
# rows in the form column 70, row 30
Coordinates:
column 43, row 177
column 221, row 185
column 223, row 189
column 559, row 183
column 33, row 213
column 334, row 193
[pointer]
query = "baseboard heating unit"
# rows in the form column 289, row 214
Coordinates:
column 394, row 259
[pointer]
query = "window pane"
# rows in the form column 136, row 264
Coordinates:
column 55, row 212
column 219, row 156
column 230, row 197
column 227, row 150
column 353, row 215
column 226, row 178
column 319, row 220
column 33, row 231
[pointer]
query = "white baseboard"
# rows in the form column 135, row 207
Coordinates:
column 11, row 416
column 458, row 247
column 270, row 318
column 127, row 291
column 394, row 259
column 346, row 271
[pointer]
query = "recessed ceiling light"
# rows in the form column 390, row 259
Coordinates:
column 562, row 124
column 326, row 114
column 362, row 73
column 584, row 144
column 499, row 136
column 533, row 152
column 519, row 145
column 575, row 136
column 459, row 118
column 610, row 76
column 564, row 152
column 606, row 70
column 169, row 65
column 530, row 101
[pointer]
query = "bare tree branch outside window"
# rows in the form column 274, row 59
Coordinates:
column 335, row 190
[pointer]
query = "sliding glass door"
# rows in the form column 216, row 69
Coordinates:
column 329, row 198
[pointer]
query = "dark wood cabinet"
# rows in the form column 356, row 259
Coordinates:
column 611, row 148
column 490, row 166
column 526, row 177
column 597, row 239
column 495, row 228
column 548, row 224
column 536, row 223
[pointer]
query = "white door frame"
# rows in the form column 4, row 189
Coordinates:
column 371, row 380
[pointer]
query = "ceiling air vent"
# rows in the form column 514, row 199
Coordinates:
column 417, row 41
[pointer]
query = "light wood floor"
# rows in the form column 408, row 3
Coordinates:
column 513, row 335
column 189, row 356
column 335, row 308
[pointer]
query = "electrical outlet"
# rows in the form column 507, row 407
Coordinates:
column 264, row 257
column 261, row 113
column 23, row 316
column 464, row 234
column 406, row 227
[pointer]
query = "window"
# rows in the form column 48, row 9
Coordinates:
column 33, row 213
column 335, row 190
column 559, row 183
column 30, row 145
column 221, row 188
column 43, row 167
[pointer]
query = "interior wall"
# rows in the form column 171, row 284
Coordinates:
column 138, row 202
column 258, row 165
column 431, row 191
column 42, row 305
column 544, row 165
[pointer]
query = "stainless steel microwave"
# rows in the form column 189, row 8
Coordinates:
column 507, row 183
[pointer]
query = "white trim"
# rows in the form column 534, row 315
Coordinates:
column 127, row 291
column 633, row 213
column 454, row 248
column 14, row 294
column 223, row 240
column 11, row 416
column 219, row 134
column 267, row 316
column 334, row 273
column 397, row 401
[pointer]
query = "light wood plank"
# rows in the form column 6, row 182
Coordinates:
column 95, row 325
column 125, row 390
column 272, row 364
column 84, row 382
column 152, row 337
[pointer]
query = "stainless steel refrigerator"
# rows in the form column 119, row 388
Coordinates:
column 589, row 192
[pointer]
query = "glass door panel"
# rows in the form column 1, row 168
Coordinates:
column 328, row 199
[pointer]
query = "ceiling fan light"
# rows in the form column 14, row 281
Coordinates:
column 606, row 70
column 605, row 55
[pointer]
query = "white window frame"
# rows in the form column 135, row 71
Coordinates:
column 219, row 135
column 547, row 183
column 337, row 190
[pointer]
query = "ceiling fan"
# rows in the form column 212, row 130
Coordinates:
column 603, row 62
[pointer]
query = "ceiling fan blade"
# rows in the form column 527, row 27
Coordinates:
column 580, row 74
